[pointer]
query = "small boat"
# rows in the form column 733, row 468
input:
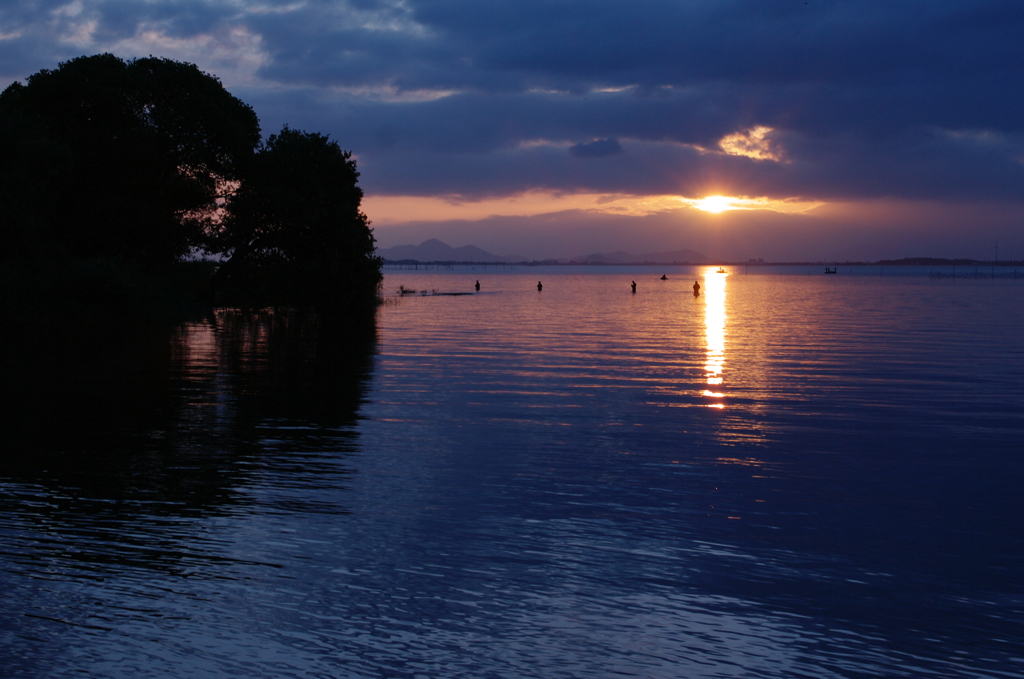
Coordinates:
column 828, row 270
column 721, row 270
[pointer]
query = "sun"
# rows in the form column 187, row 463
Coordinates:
column 716, row 204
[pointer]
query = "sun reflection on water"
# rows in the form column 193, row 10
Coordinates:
column 714, row 330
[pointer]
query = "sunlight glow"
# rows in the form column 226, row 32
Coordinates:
column 714, row 330
column 396, row 209
column 385, row 210
column 718, row 204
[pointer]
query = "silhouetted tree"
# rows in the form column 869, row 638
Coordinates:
column 294, row 233
column 142, row 151
column 115, row 169
column 31, row 165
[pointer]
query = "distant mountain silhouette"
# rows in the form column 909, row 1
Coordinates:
column 620, row 257
column 434, row 250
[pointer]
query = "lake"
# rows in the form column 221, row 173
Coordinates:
column 789, row 475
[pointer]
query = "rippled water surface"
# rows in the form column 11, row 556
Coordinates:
column 789, row 475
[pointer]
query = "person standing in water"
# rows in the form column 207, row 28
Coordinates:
column 539, row 286
column 478, row 286
column 696, row 288
column 633, row 284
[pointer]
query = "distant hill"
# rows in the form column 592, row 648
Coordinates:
column 620, row 257
column 434, row 250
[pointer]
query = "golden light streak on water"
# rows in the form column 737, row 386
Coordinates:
column 714, row 332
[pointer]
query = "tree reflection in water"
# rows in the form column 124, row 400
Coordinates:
column 127, row 419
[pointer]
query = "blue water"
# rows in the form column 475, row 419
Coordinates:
column 790, row 475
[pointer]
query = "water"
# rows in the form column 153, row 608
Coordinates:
column 790, row 475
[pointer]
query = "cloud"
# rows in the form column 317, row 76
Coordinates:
column 753, row 143
column 598, row 148
column 823, row 101
column 918, row 165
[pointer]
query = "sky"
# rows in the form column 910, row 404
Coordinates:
column 781, row 129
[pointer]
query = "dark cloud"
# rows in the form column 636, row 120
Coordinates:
column 474, row 145
column 596, row 149
column 120, row 19
column 576, row 45
column 915, row 166
column 916, row 99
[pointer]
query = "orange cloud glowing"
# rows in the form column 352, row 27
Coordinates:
column 385, row 210
column 752, row 143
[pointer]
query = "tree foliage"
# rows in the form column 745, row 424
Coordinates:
column 145, row 147
column 148, row 160
column 294, row 229
column 31, row 166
